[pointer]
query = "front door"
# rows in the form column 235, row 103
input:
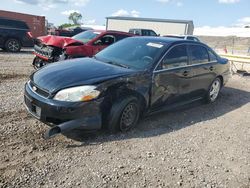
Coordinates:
column 172, row 79
column 102, row 43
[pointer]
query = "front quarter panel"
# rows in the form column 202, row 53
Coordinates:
column 79, row 51
column 137, row 84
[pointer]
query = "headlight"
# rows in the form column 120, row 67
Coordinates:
column 75, row 94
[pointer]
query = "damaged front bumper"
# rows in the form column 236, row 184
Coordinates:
column 64, row 116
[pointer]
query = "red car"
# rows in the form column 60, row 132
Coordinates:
column 49, row 49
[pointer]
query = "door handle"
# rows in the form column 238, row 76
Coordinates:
column 211, row 68
column 185, row 73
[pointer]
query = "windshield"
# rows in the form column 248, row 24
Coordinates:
column 137, row 53
column 86, row 36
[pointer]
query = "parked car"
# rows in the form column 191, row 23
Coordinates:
column 133, row 77
column 49, row 49
column 185, row 37
column 70, row 32
column 143, row 32
column 14, row 34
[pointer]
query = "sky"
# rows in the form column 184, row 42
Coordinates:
column 204, row 13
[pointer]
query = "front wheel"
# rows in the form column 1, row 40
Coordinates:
column 12, row 45
column 124, row 114
column 214, row 90
column 38, row 63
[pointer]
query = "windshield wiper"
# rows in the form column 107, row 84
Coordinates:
column 118, row 64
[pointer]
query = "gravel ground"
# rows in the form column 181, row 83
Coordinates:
column 196, row 146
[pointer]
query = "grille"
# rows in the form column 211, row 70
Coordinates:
column 38, row 90
column 43, row 50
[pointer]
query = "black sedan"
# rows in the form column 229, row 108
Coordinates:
column 134, row 77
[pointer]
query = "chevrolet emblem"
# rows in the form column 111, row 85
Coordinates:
column 34, row 88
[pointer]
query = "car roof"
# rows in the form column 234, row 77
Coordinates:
column 167, row 40
column 119, row 32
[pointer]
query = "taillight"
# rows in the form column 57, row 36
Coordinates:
column 30, row 34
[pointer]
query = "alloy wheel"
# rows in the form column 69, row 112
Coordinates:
column 13, row 45
column 214, row 90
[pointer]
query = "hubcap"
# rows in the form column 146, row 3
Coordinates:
column 128, row 117
column 13, row 45
column 215, row 89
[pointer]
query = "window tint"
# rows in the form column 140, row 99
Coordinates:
column 3, row 22
column 148, row 33
column 107, row 40
column 191, row 38
column 176, row 57
column 145, row 33
column 212, row 56
column 198, row 54
column 135, row 31
column 152, row 33
column 13, row 24
column 120, row 37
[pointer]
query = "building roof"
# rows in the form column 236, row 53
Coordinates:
column 149, row 19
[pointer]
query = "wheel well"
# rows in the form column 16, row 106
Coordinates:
column 114, row 94
column 124, row 92
column 221, row 79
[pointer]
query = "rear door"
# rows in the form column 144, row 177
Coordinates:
column 172, row 79
column 203, row 64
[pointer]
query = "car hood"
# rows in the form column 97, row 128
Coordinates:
column 58, row 41
column 76, row 72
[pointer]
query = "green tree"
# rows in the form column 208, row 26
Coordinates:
column 75, row 17
column 65, row 25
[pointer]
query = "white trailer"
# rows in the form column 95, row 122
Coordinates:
column 160, row 26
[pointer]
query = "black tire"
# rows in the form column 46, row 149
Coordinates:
column 13, row 45
column 214, row 90
column 124, row 114
column 38, row 63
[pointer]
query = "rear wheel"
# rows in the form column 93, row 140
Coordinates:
column 12, row 45
column 214, row 90
column 124, row 114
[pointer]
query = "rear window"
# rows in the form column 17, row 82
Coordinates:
column 13, row 24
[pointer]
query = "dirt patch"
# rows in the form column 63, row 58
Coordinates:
column 11, row 76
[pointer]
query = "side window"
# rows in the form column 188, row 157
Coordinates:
column 212, row 56
column 152, row 33
column 145, row 33
column 176, row 57
column 120, row 37
column 4, row 23
column 198, row 54
column 105, row 40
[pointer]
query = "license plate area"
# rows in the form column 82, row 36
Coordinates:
column 32, row 108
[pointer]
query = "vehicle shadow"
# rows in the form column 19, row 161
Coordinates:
column 23, row 51
column 229, row 100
